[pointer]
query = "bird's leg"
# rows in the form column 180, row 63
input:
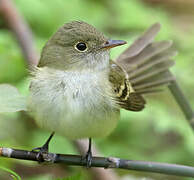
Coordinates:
column 43, row 149
column 88, row 156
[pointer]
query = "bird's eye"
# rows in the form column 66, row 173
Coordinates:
column 81, row 46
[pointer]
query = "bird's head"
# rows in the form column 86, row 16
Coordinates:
column 77, row 45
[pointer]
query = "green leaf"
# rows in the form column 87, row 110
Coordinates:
column 13, row 174
column 10, row 99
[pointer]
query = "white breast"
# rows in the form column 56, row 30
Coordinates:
column 76, row 105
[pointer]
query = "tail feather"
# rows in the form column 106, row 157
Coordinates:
column 148, row 65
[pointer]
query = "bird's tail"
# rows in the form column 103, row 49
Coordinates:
column 147, row 63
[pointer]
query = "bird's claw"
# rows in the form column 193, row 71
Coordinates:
column 42, row 150
column 88, row 158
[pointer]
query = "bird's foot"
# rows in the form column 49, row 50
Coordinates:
column 88, row 157
column 43, row 150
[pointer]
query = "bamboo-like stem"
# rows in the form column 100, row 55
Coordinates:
column 104, row 162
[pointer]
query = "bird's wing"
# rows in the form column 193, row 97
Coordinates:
column 147, row 63
column 142, row 68
column 126, row 97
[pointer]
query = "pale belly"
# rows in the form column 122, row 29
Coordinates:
column 73, row 108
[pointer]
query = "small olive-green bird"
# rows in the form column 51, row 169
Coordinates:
column 78, row 91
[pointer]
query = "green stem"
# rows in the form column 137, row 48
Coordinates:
column 15, row 176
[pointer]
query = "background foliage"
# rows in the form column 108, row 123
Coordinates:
column 159, row 133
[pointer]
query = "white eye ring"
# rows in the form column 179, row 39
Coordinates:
column 81, row 46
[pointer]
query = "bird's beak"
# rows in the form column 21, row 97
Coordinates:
column 113, row 43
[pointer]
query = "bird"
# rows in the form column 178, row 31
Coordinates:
column 77, row 90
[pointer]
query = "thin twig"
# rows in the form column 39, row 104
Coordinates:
column 182, row 102
column 20, row 29
column 110, row 162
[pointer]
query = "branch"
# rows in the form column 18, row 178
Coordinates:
column 20, row 29
column 110, row 162
column 182, row 102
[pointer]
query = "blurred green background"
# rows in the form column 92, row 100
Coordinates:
column 158, row 133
